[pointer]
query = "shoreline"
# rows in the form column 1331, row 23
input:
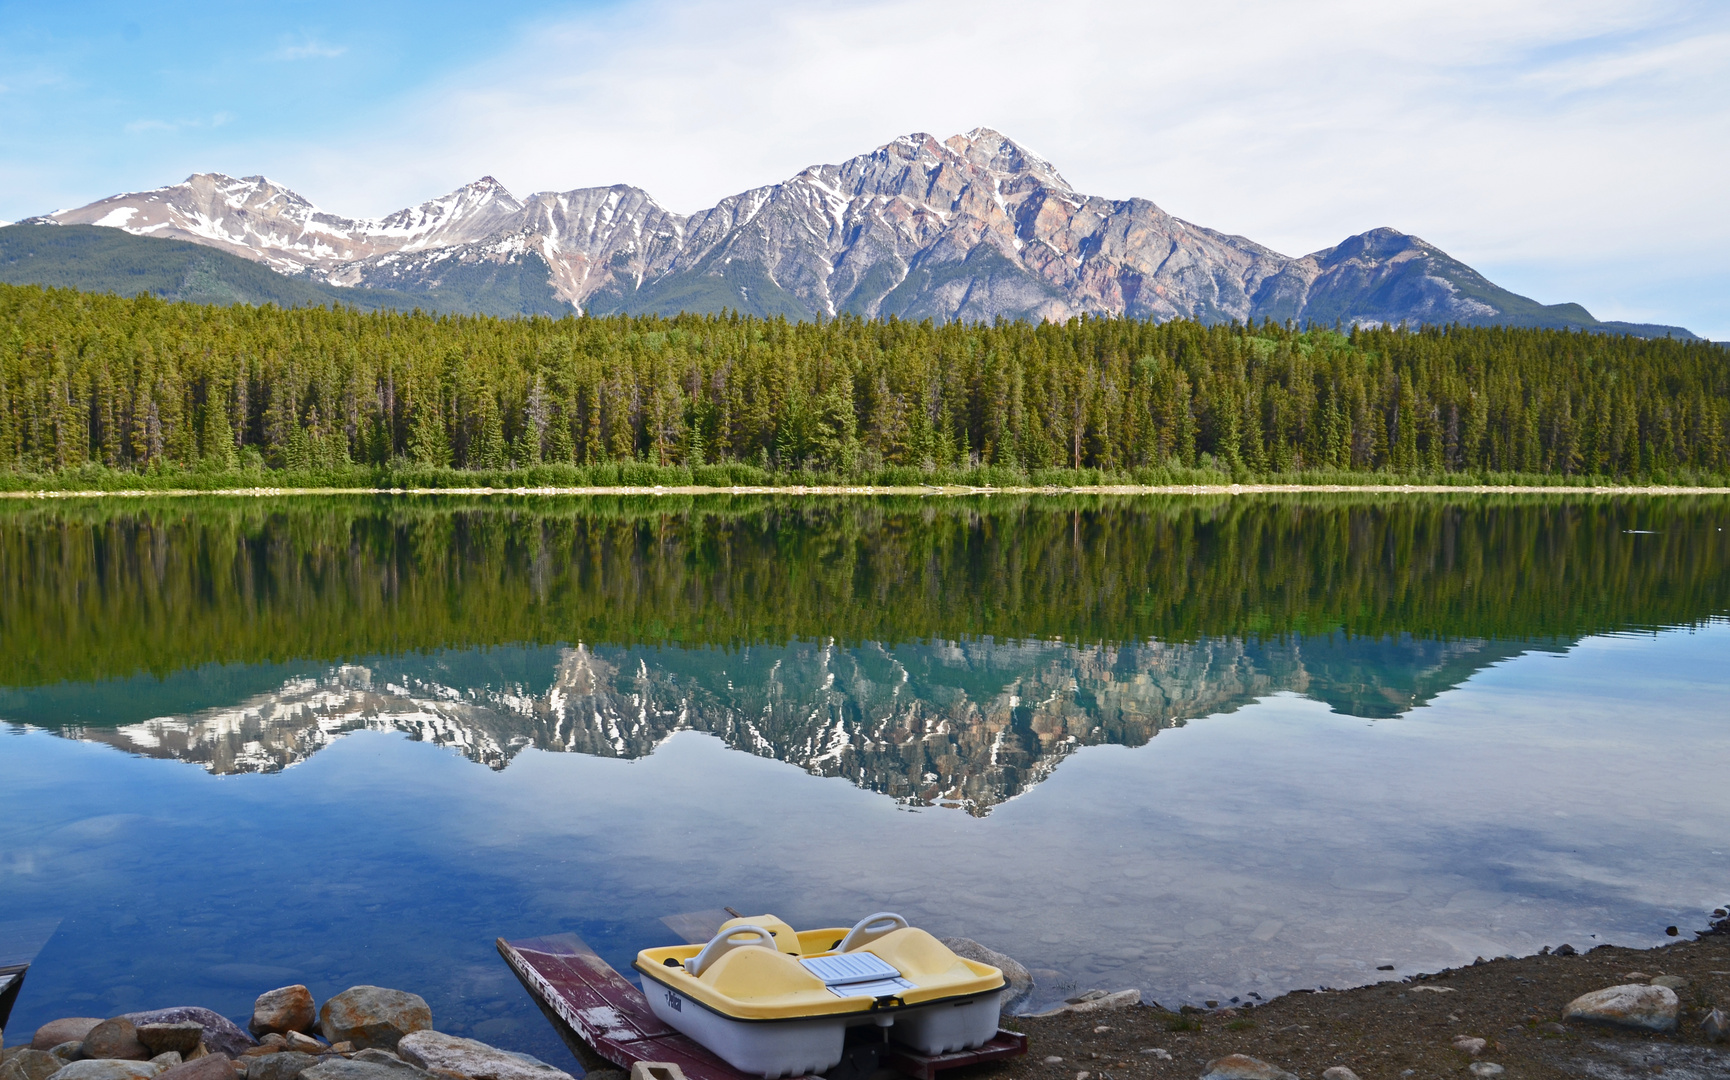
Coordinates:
column 1503, row 1017
column 937, row 490
column 1507, row 1016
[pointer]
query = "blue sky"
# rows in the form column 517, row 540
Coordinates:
column 1570, row 150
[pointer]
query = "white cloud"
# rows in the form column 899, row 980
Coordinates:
column 309, row 49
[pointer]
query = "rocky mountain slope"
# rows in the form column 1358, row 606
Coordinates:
column 972, row 227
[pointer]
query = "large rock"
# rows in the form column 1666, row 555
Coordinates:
column 1715, row 1026
column 436, row 1051
column 372, row 1016
column 29, row 1064
column 208, row 1067
column 221, row 1034
column 108, row 1069
column 285, row 1066
column 115, row 1040
column 1633, row 1005
column 181, row 1038
column 336, row 1068
column 281, row 1011
column 66, row 1029
column 1243, row 1067
column 1018, row 980
column 1122, row 999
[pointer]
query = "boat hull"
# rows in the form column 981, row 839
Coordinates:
column 782, row 1048
column 768, row 1048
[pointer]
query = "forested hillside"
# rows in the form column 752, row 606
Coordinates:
column 139, row 384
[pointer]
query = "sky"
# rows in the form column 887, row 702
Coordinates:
column 1571, row 150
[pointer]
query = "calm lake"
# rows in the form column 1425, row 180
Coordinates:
column 1207, row 747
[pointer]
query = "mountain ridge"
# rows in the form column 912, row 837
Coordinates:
column 975, row 227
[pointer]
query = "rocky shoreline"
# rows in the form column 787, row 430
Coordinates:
column 1609, row 1014
column 363, row 1033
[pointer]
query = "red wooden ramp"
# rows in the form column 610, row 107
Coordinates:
column 602, row 1016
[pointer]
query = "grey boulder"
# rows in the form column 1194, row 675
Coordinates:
column 64, row 1030
column 373, row 1016
column 1018, row 981
column 286, row 1066
column 208, row 1067
column 221, row 1034
column 436, row 1051
column 1716, row 1026
column 115, row 1039
column 283, row 1010
column 1633, row 1005
column 108, row 1069
column 345, row 1069
column 1243, row 1067
column 181, row 1038
column 29, row 1064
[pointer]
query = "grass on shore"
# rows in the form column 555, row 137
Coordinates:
column 643, row 474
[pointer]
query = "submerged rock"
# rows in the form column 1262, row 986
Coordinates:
column 436, row 1051
column 373, row 1016
column 66, row 1029
column 1646, row 1008
column 280, row 1011
column 1243, row 1067
column 1018, row 981
column 220, row 1033
column 115, row 1040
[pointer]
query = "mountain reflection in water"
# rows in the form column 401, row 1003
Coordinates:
column 961, row 724
column 948, row 651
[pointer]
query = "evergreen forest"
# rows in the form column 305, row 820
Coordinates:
column 99, row 390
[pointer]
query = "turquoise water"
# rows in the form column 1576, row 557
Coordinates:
column 1202, row 816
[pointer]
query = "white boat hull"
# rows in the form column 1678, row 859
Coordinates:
column 781, row 1048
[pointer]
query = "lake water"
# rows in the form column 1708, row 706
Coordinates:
column 1206, row 747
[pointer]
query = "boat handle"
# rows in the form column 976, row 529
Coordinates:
column 870, row 928
column 725, row 942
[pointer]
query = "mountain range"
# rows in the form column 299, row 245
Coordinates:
column 974, row 227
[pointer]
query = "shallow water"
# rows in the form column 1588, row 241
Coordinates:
column 1233, row 748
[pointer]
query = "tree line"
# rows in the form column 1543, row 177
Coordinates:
column 99, row 381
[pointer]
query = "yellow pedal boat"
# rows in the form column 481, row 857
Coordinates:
column 774, row 1002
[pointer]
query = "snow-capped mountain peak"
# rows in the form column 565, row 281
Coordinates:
column 975, row 226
